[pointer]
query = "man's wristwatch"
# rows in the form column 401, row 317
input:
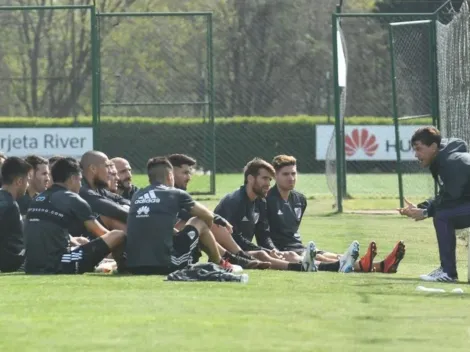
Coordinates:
column 425, row 213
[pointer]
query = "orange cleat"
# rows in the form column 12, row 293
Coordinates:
column 394, row 258
column 367, row 261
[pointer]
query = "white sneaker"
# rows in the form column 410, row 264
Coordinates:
column 435, row 272
column 346, row 262
column 308, row 260
column 106, row 266
column 236, row 269
column 438, row 277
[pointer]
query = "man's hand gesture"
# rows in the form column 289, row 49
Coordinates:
column 412, row 211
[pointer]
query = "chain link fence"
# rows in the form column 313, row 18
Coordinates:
column 158, row 67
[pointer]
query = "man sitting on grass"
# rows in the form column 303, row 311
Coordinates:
column 57, row 212
column 15, row 175
column 152, row 245
column 111, row 209
column 182, row 171
column 246, row 210
column 286, row 208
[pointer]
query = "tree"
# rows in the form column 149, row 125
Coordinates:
column 412, row 6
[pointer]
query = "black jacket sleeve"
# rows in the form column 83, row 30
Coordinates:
column 230, row 210
column 263, row 236
column 104, row 206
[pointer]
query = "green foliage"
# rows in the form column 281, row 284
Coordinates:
column 181, row 121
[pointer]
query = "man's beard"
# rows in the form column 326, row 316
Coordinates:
column 180, row 187
column 258, row 191
column 121, row 185
column 100, row 183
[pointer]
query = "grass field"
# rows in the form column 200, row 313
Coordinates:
column 275, row 311
column 368, row 191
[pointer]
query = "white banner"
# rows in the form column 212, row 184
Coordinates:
column 368, row 142
column 46, row 142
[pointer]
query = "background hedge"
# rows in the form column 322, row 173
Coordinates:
column 238, row 139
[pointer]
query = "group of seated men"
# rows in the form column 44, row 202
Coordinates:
column 67, row 216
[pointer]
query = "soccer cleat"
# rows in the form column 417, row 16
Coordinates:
column 226, row 265
column 106, row 266
column 245, row 263
column 308, row 260
column 394, row 258
column 440, row 276
column 367, row 261
column 346, row 263
column 432, row 274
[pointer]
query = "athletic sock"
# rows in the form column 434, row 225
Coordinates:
column 295, row 267
column 245, row 255
column 329, row 266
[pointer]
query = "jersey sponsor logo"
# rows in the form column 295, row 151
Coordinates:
column 280, row 212
column 40, row 199
column 143, row 212
column 245, row 219
column 147, row 198
column 298, row 213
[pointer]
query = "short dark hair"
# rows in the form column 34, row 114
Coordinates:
column 54, row 158
column 178, row 160
column 158, row 169
column 427, row 136
column 14, row 167
column 64, row 168
column 253, row 167
column 280, row 161
column 35, row 161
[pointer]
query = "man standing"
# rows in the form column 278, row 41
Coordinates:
column 124, row 170
column 152, row 246
column 449, row 163
column 38, row 183
column 15, row 174
column 53, row 215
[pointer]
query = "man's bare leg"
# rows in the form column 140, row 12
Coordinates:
column 225, row 239
column 207, row 239
column 115, row 240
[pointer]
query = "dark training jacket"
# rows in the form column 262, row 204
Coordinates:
column 451, row 170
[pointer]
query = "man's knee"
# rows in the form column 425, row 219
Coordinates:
column 198, row 224
column 114, row 238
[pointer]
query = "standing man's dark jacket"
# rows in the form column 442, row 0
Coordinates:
column 451, row 170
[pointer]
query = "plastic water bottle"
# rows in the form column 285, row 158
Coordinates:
column 243, row 278
column 429, row 289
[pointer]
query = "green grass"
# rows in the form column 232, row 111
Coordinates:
column 368, row 191
column 275, row 311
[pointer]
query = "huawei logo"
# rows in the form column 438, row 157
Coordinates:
column 360, row 139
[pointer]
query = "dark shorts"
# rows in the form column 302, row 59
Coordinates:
column 185, row 251
column 10, row 263
column 85, row 258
